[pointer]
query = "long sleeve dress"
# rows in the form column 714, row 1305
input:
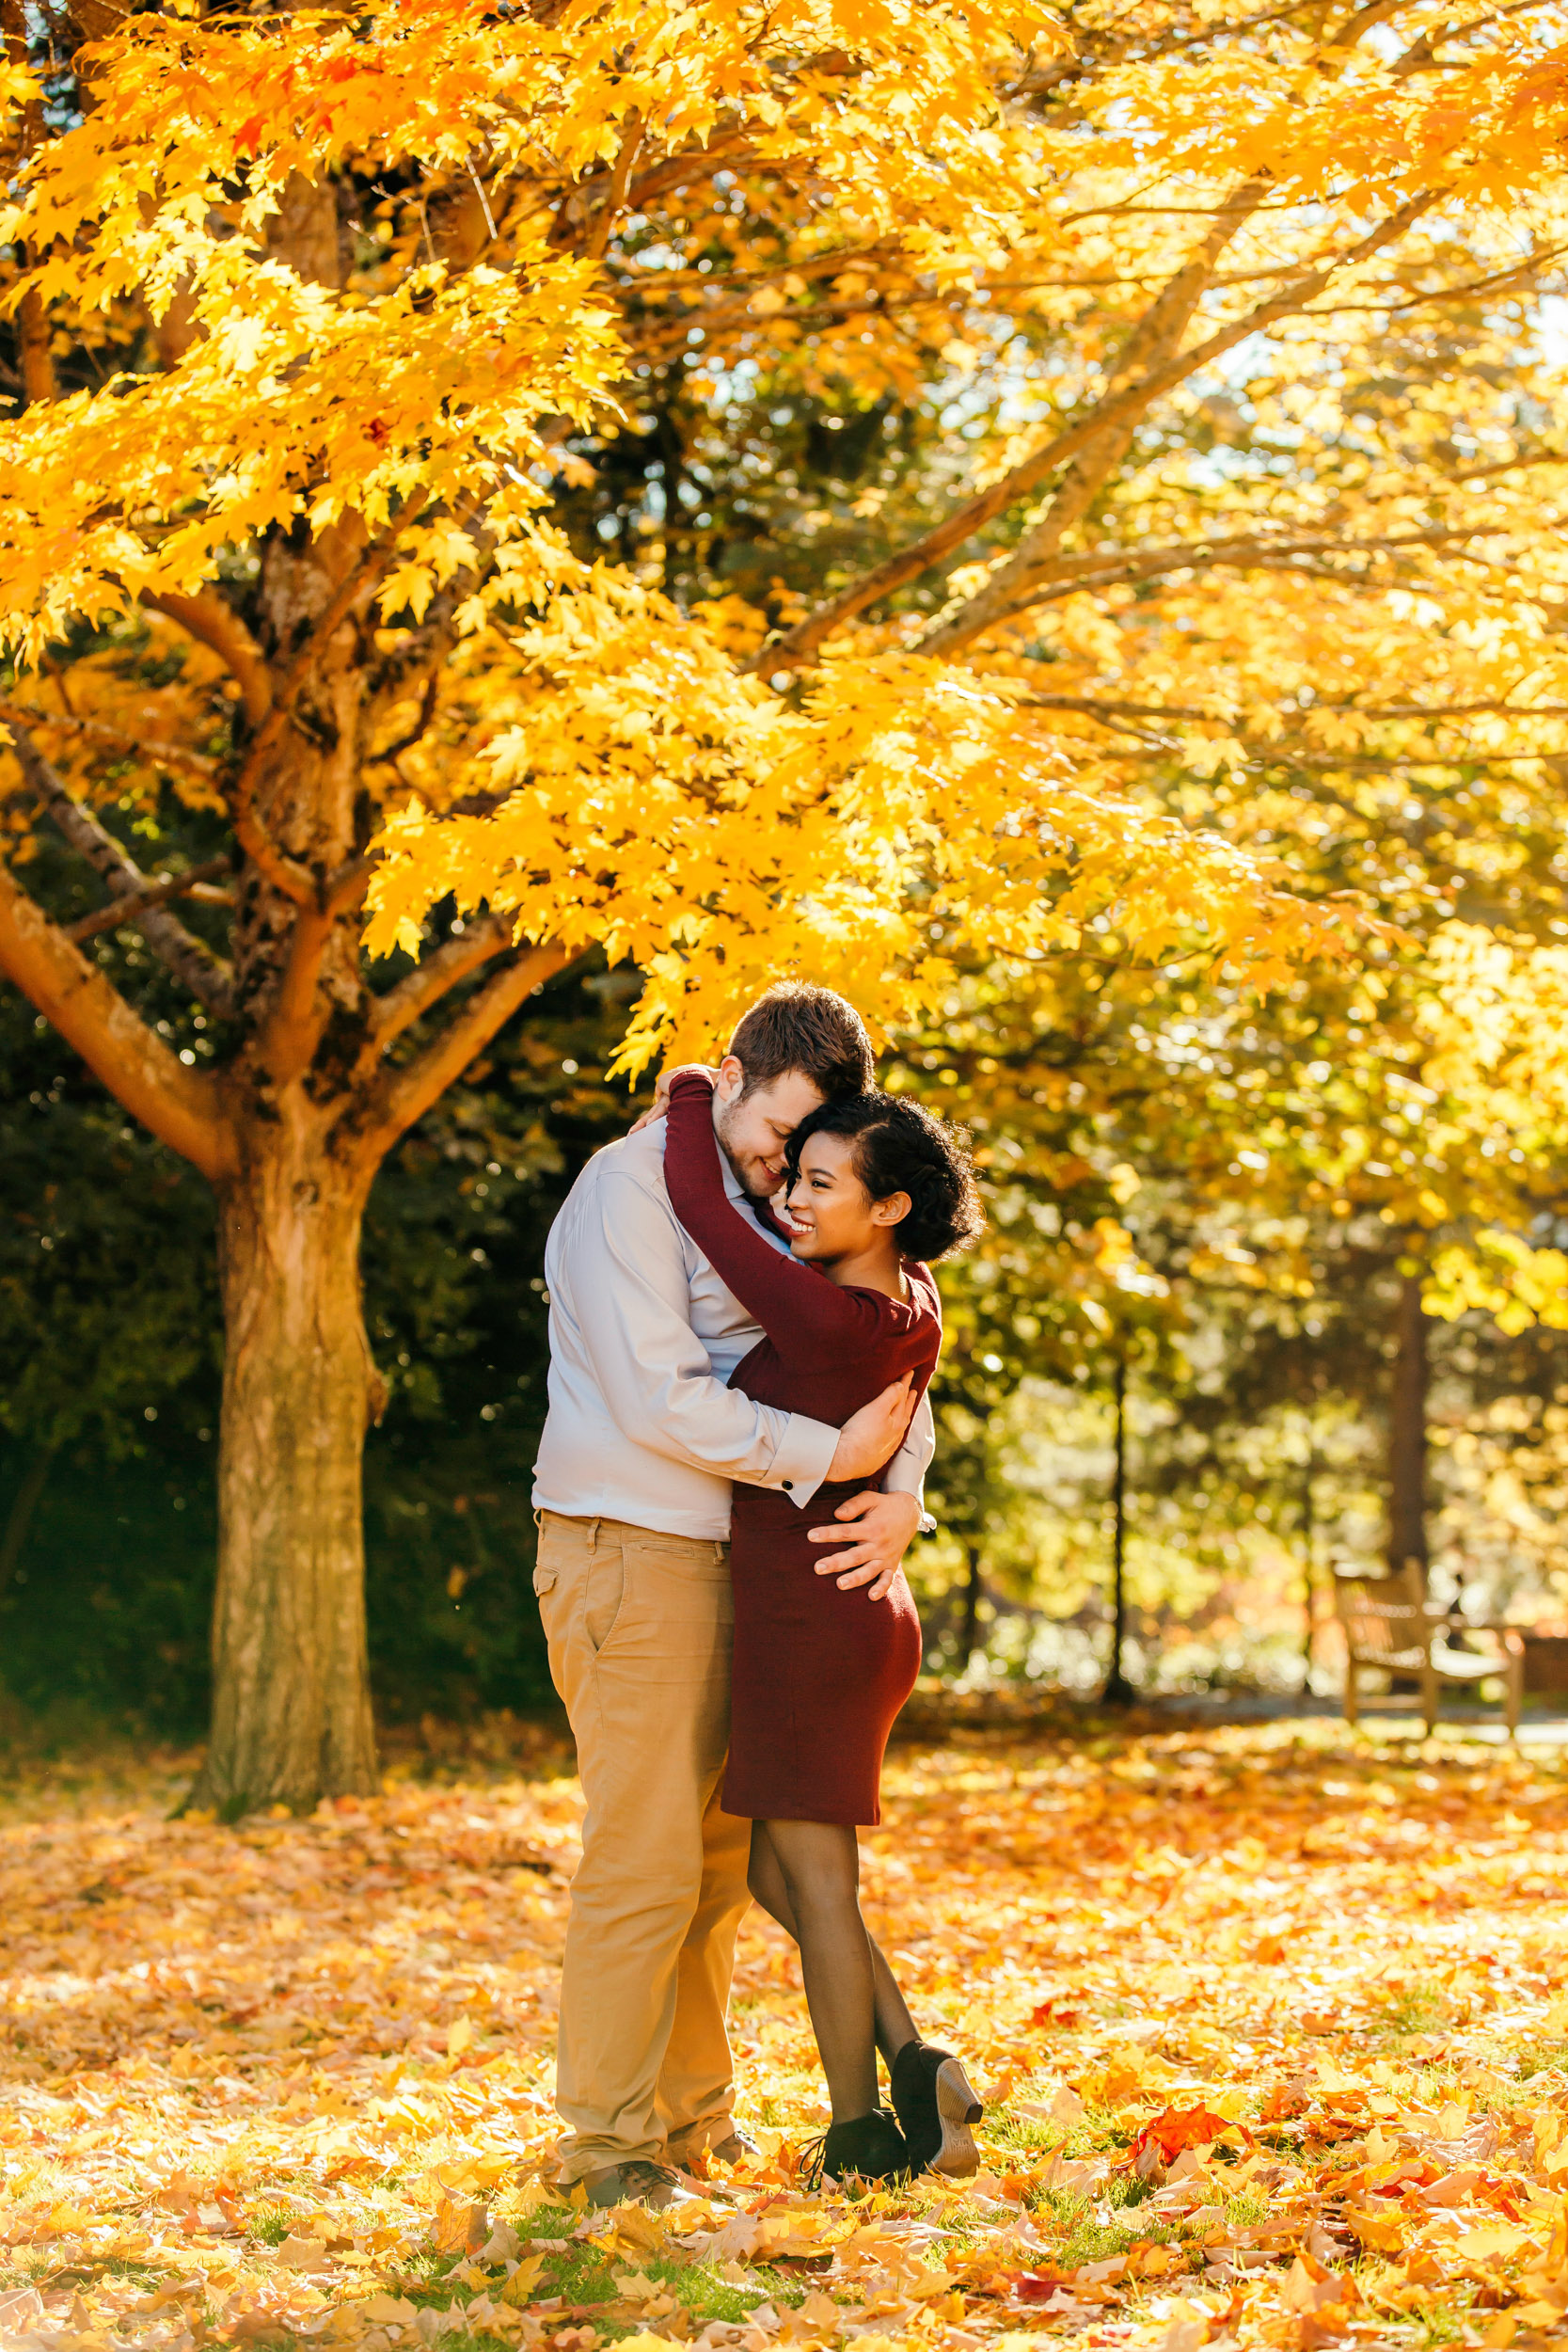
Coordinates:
column 819, row 1674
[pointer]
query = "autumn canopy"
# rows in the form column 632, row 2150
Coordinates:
column 378, row 380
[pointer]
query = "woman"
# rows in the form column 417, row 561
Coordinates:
column 875, row 1185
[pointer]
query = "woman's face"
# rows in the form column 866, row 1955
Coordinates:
column 827, row 1209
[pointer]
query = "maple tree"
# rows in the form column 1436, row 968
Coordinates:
column 346, row 346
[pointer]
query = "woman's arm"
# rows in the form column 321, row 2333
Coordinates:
column 798, row 1308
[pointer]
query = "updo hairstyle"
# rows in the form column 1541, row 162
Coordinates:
column 899, row 1147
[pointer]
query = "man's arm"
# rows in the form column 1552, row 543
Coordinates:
column 906, row 1473
column 655, row 1376
column 652, row 1370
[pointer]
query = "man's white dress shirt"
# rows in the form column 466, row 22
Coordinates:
column 643, row 1336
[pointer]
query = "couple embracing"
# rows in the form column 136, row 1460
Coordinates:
column 728, row 1478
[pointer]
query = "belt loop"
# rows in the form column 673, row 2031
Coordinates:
column 592, row 1535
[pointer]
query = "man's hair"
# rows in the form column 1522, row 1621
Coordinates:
column 794, row 1027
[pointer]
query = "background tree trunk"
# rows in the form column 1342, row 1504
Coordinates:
column 973, row 1588
column 1119, row 1692
column 1408, row 1433
column 290, row 1702
column 20, row 1517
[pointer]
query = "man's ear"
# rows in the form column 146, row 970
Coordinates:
column 730, row 1079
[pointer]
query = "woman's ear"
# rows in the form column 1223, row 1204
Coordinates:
column 893, row 1211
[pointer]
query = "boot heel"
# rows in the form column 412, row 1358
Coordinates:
column 958, row 2109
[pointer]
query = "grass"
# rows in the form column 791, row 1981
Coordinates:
column 583, row 2274
column 1538, row 2058
column 136, row 2274
column 1097, row 2130
column 1415, row 2010
column 271, row 2224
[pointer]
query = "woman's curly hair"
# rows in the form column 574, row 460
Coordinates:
column 899, row 1147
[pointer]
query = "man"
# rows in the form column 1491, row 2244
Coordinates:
column 632, row 1496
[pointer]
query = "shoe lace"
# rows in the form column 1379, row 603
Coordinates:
column 813, row 2158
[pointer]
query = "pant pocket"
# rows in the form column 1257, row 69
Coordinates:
column 674, row 1626
column 604, row 1594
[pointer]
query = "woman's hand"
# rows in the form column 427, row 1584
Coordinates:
column 660, row 1103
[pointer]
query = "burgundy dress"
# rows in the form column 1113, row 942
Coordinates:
column 819, row 1674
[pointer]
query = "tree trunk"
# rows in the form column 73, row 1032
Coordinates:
column 1308, row 1567
column 20, row 1517
column 291, row 1701
column 972, row 1608
column 1407, row 1435
column 1119, row 1692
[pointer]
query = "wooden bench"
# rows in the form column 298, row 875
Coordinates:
column 1391, row 1628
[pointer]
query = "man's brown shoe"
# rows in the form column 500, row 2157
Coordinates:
column 735, row 2149
column 638, row 2183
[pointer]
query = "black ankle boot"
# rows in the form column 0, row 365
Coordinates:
column 867, row 2148
column 936, row 2108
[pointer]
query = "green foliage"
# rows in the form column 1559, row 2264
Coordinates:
column 110, row 1371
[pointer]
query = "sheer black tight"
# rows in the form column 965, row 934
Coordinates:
column 806, row 1876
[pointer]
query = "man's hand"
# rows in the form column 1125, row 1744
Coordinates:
column 873, row 1435
column 886, row 1524
column 660, row 1103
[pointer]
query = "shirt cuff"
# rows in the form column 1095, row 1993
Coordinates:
column 803, row 1459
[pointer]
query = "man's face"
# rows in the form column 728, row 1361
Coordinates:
column 755, row 1132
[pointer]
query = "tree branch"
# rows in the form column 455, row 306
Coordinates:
column 402, row 1096
column 217, row 626
column 1154, row 340
column 1094, row 704
column 389, row 755
column 615, row 195
column 167, row 754
column 1107, row 567
column 797, row 645
column 156, row 893
column 435, row 974
column 211, row 620
column 181, row 1106
column 188, row 957
column 286, row 875
column 296, row 1017
column 34, row 348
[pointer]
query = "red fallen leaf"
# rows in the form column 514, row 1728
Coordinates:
column 1038, row 2286
column 1049, row 2014
column 799, row 2262
column 1183, row 2127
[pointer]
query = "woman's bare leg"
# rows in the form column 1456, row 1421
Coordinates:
column 806, row 1875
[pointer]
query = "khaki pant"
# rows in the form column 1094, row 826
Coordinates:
column 638, row 1627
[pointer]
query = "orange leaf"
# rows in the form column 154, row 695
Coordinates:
column 1183, row 2127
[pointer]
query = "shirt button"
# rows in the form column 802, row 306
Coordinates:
column 788, row 1485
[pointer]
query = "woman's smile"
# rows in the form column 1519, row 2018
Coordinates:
column 794, row 1224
